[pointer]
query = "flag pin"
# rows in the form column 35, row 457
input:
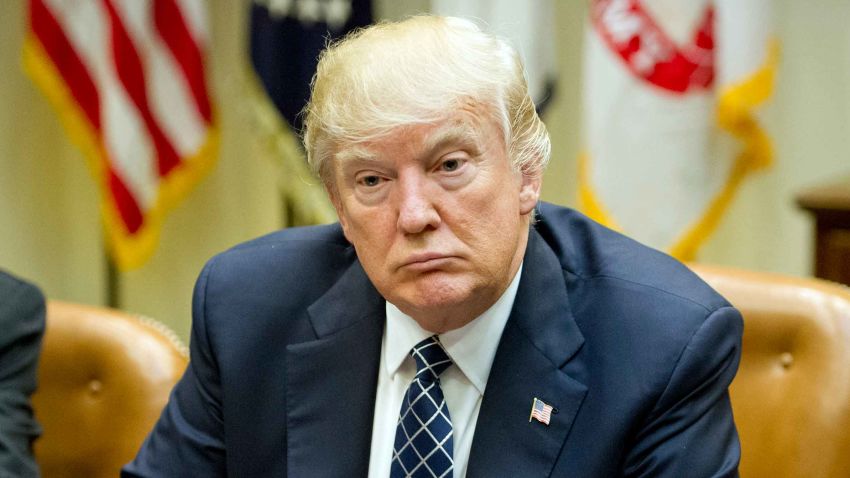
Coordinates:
column 540, row 411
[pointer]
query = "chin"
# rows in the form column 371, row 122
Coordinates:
column 436, row 296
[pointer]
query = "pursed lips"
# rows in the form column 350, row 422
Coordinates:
column 424, row 261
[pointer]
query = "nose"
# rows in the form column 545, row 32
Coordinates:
column 416, row 211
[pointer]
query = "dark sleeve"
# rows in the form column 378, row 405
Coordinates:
column 188, row 438
column 690, row 431
column 21, row 330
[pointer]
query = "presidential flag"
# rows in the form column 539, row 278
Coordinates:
column 286, row 37
column 529, row 25
column 672, row 92
column 128, row 81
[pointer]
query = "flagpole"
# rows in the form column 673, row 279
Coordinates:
column 113, row 282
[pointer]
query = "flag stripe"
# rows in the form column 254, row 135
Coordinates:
column 128, row 148
column 129, row 68
column 173, row 30
column 195, row 16
column 67, row 62
column 129, row 211
column 171, row 103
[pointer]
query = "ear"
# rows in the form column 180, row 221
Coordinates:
column 529, row 192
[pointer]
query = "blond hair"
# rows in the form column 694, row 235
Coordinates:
column 415, row 72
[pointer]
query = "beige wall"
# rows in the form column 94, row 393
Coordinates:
column 50, row 231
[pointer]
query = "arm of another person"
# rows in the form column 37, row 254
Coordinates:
column 21, row 330
column 690, row 431
column 188, row 438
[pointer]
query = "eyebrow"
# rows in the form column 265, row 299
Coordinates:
column 453, row 134
column 354, row 153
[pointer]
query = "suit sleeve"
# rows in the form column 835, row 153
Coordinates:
column 188, row 439
column 690, row 431
column 21, row 330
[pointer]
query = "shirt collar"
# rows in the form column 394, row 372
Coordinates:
column 472, row 347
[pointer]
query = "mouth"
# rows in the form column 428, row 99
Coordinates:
column 426, row 261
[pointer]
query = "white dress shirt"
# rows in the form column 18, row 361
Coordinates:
column 472, row 348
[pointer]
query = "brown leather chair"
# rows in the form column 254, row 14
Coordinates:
column 791, row 397
column 104, row 377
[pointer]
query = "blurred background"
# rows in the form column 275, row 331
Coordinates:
column 51, row 230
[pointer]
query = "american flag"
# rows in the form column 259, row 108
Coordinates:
column 540, row 411
column 127, row 79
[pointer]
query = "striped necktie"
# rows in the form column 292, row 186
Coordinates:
column 423, row 438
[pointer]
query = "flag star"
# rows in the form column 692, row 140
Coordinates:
column 337, row 13
column 279, row 8
column 309, row 11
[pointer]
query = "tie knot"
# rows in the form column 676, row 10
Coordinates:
column 431, row 358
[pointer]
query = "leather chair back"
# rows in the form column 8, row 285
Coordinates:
column 791, row 397
column 104, row 377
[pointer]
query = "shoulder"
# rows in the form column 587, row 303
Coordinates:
column 12, row 287
column 268, row 283
column 591, row 253
column 294, row 256
column 631, row 301
column 20, row 302
column 22, row 322
column 293, row 239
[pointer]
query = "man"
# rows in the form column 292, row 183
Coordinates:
column 441, row 329
column 21, row 330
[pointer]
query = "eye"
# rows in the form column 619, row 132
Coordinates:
column 450, row 165
column 370, row 181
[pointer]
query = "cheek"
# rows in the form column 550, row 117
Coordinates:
column 490, row 223
column 491, row 220
column 370, row 232
column 497, row 207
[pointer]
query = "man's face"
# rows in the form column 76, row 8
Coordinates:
column 437, row 215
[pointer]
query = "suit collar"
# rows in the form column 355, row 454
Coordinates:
column 535, row 350
column 331, row 381
column 352, row 299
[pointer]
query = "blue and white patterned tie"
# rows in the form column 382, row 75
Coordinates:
column 423, row 437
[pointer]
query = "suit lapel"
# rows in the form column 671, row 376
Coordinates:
column 534, row 353
column 331, row 382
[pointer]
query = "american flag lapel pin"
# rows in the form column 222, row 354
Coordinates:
column 540, row 411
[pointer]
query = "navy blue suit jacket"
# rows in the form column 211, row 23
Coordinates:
column 631, row 348
column 21, row 330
